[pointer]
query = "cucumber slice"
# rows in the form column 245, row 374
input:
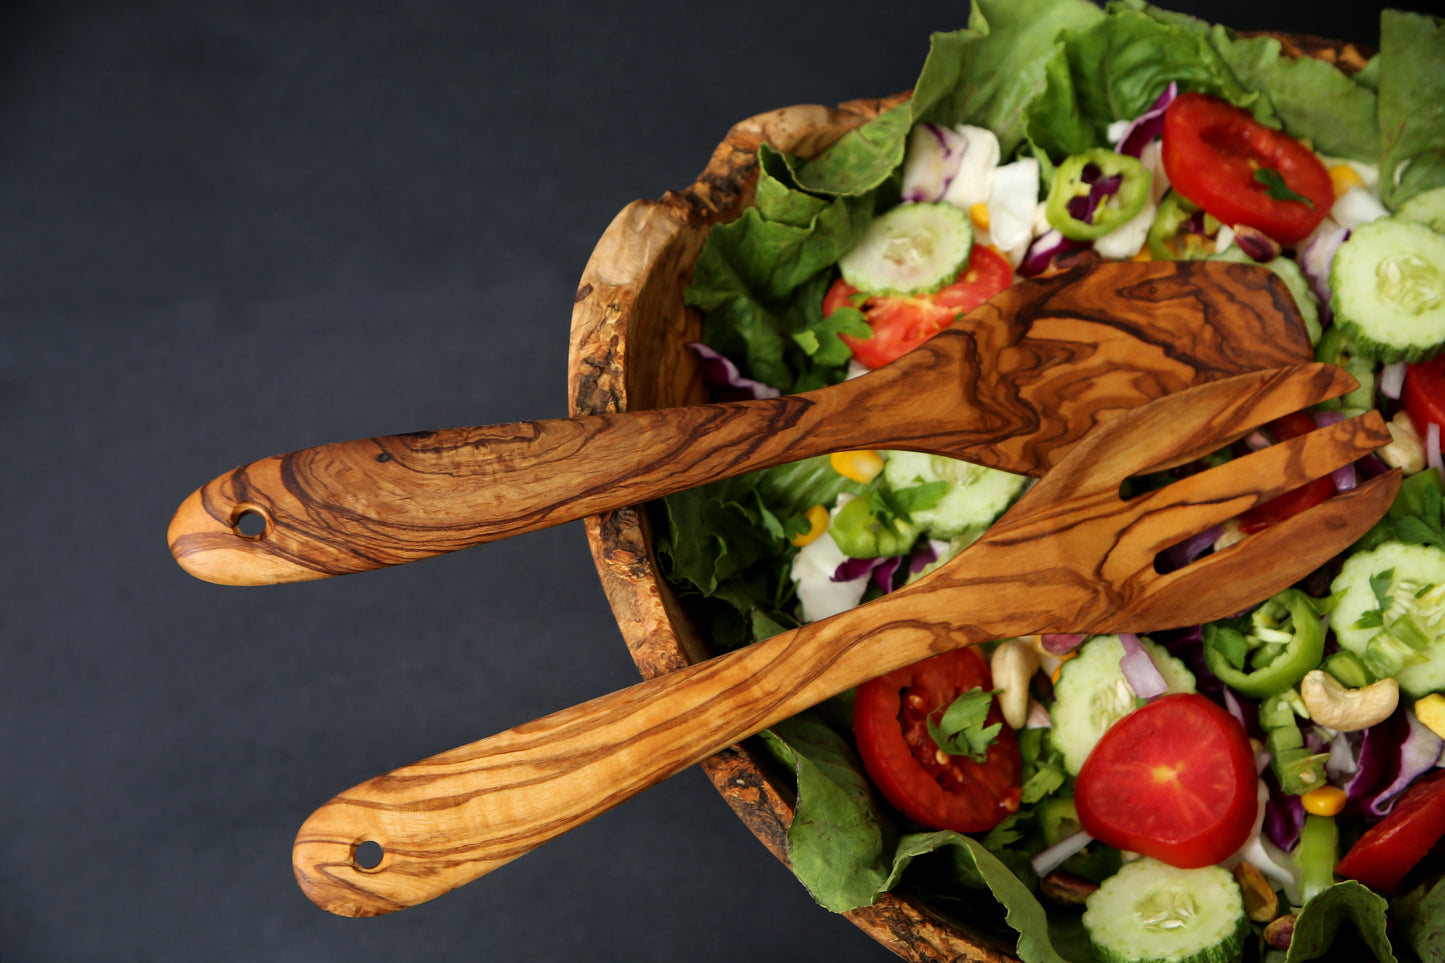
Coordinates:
column 1391, row 613
column 911, row 249
column 1151, row 912
column 1388, row 280
column 1428, row 208
column 976, row 495
column 1092, row 694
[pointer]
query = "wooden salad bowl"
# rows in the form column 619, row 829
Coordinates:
column 628, row 351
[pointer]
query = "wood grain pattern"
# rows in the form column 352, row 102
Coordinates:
column 1013, row 385
column 1071, row 556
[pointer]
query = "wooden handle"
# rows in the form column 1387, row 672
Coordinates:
column 1011, row 385
column 359, row 505
column 449, row 819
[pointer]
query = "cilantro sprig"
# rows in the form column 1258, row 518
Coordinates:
column 960, row 730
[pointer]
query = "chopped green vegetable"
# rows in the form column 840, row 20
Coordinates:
column 960, row 731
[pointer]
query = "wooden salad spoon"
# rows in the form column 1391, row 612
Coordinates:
column 1070, row 556
column 1010, row 385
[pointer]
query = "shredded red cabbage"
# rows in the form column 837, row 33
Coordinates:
column 1042, row 252
column 883, row 570
column 723, row 378
column 934, row 156
column 1148, row 125
column 1416, row 755
column 1315, row 258
column 1284, row 817
column 1374, row 751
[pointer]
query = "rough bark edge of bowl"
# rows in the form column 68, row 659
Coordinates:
column 650, row 240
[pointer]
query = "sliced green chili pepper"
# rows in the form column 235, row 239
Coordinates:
column 862, row 534
column 1285, row 641
column 1095, row 192
column 1174, row 211
column 1297, row 769
column 1315, row 855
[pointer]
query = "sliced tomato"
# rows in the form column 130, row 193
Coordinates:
column 890, row 723
column 1391, row 848
column 901, row 323
column 1222, row 159
column 1174, row 779
column 1423, row 393
column 1292, row 502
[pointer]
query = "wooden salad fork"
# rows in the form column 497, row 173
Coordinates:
column 1012, row 385
column 1071, row 556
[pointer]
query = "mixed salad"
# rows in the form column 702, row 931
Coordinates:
column 1264, row 787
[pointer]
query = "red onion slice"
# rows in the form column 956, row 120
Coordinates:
column 1052, row 858
column 1140, row 671
column 1060, row 644
column 1392, row 380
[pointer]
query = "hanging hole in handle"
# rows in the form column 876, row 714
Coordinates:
column 251, row 522
column 367, row 855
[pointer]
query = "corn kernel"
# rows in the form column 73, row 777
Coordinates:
column 1324, row 801
column 1430, row 710
column 858, row 466
column 1343, row 177
column 817, row 517
column 979, row 214
column 1144, row 254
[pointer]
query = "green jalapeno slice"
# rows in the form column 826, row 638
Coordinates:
column 1095, row 192
column 1285, row 641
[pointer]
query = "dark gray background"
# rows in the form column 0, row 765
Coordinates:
column 233, row 229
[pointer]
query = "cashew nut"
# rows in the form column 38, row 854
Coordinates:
column 1013, row 664
column 1406, row 451
column 1334, row 706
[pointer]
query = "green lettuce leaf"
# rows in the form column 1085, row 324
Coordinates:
column 840, row 847
column 760, row 279
column 987, row 73
column 1114, row 70
column 836, row 840
column 1318, row 924
column 1313, row 99
column 1420, row 920
column 1412, row 105
column 724, row 545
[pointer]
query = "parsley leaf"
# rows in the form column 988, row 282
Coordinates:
column 1276, row 188
column 1380, row 584
column 960, row 730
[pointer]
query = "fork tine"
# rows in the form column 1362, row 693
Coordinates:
column 1188, row 423
column 1246, row 573
column 1223, row 492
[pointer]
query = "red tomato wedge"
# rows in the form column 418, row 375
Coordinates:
column 1296, row 500
column 1391, row 848
column 901, row 323
column 1423, row 393
column 1174, row 779
column 890, row 724
column 1222, row 159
